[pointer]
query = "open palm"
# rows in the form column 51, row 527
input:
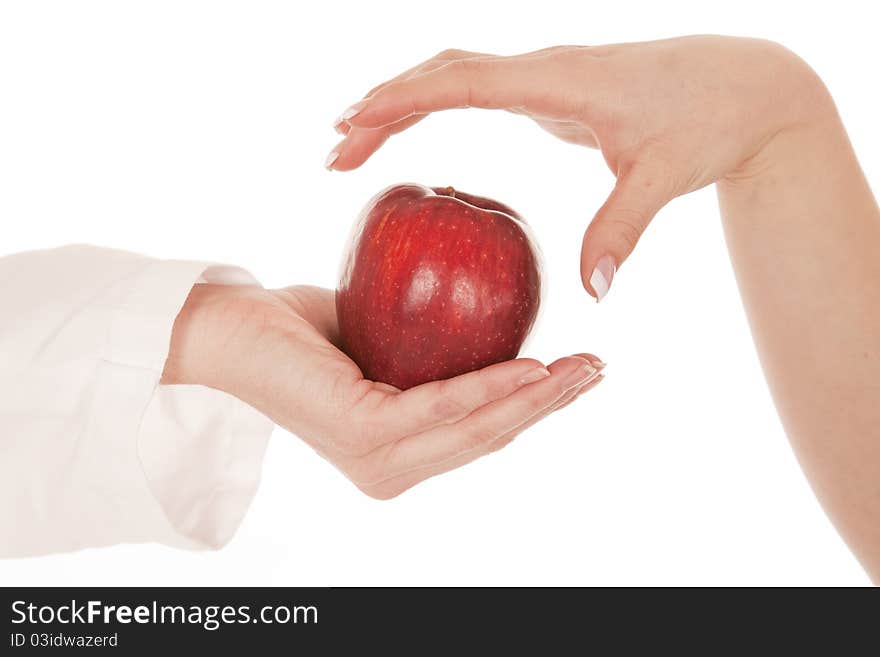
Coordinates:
column 384, row 440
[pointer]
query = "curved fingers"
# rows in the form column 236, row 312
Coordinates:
column 477, row 429
column 396, row 485
column 360, row 143
column 382, row 418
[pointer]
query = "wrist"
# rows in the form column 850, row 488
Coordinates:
column 202, row 335
column 793, row 151
column 805, row 120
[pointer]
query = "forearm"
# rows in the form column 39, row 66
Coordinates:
column 803, row 230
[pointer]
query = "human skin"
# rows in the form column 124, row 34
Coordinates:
column 801, row 223
column 276, row 350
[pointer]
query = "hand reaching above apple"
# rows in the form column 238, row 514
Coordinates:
column 276, row 350
column 669, row 116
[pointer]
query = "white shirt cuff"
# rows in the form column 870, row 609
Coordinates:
column 201, row 449
column 93, row 450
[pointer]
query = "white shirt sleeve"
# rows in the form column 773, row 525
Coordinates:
column 93, row 451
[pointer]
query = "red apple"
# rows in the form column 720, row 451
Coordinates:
column 436, row 283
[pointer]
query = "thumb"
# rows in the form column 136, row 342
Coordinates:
column 618, row 225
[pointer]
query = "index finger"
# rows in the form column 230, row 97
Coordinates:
column 483, row 82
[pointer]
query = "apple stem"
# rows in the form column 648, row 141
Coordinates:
column 449, row 191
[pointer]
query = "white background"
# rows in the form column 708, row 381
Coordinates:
column 198, row 130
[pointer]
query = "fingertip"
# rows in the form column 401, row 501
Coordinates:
column 573, row 371
column 363, row 119
column 340, row 163
column 574, row 360
column 592, row 384
column 351, row 111
column 531, row 363
column 585, row 282
column 597, row 274
column 602, row 276
column 533, row 375
column 587, row 264
column 357, row 148
column 573, row 395
column 593, row 359
column 330, row 161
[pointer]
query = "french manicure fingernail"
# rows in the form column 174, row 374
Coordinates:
column 589, row 384
column 595, row 361
column 603, row 274
column 328, row 163
column 351, row 112
column 582, row 374
column 534, row 375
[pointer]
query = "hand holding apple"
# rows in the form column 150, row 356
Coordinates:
column 277, row 351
